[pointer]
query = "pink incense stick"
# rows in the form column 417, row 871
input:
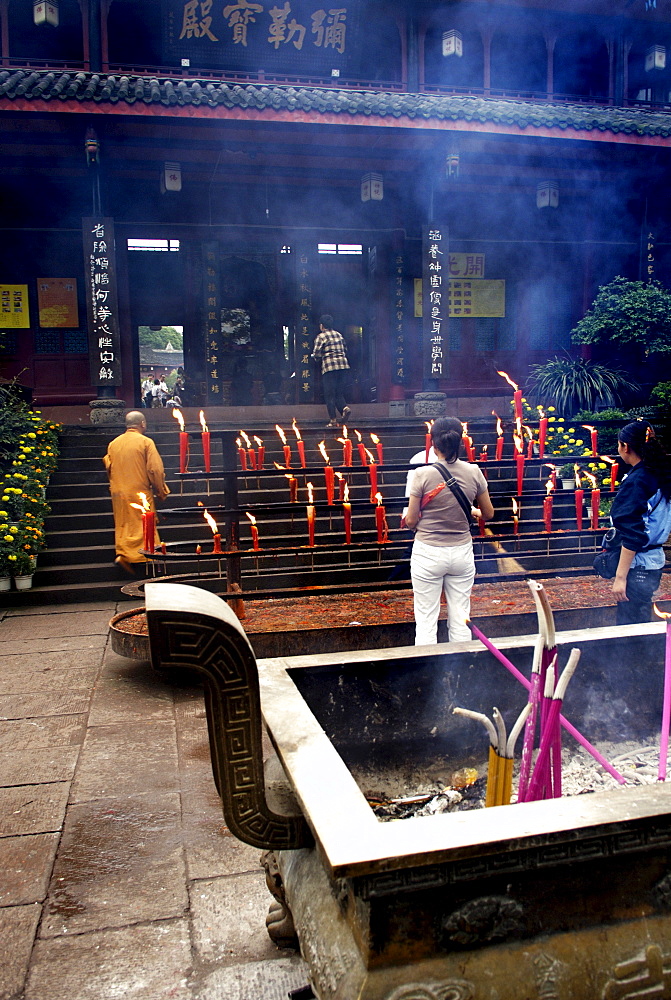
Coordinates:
column 539, row 777
column 666, row 707
column 530, row 725
column 569, row 727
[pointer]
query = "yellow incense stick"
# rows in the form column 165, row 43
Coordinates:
column 492, row 778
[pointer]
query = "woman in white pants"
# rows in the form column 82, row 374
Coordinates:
column 442, row 553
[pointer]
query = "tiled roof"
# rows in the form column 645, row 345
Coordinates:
column 56, row 88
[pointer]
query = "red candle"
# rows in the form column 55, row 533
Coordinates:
column 293, row 489
column 205, row 438
column 481, row 526
column 542, row 433
column 342, row 486
column 381, row 521
column 530, row 448
column 499, row 448
column 300, row 444
column 329, row 476
column 547, row 506
column 252, row 458
column 613, row 476
column 427, row 440
column 346, row 443
column 285, row 447
column 516, row 519
column 593, row 435
column 310, row 511
column 149, row 521
column 595, row 500
column 361, row 448
column 553, row 474
column 517, row 401
column 217, row 543
column 242, row 454
column 483, row 453
column 378, row 447
column 347, row 514
column 519, row 461
column 164, row 548
column 183, row 441
column 260, row 455
column 255, row 531
column 372, row 473
column 579, row 494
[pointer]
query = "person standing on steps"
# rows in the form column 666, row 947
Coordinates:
column 133, row 466
column 442, row 553
column 330, row 349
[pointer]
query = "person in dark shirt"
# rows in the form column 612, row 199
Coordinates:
column 641, row 512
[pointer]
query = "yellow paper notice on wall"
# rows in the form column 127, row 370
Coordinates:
column 14, row 307
column 477, row 298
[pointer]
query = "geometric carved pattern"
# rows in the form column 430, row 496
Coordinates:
column 213, row 648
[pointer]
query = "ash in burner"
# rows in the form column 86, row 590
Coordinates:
column 407, row 796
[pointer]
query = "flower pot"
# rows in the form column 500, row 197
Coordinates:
column 568, row 484
column 5, row 582
column 23, row 582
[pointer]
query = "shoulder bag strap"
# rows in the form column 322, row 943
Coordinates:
column 456, row 489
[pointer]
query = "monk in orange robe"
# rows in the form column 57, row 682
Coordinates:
column 134, row 466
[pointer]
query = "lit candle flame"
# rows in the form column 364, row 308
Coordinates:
column 590, row 479
column 541, row 412
column 578, row 476
column 548, row 465
column 499, row 425
column 238, row 441
column 588, row 427
column 309, row 486
column 259, row 441
column 549, row 486
column 370, row 457
column 322, row 448
column 144, row 506
column 211, row 521
column 344, row 432
column 378, row 497
column 358, row 435
column 346, row 493
column 515, row 509
column 607, row 458
column 375, row 439
column 294, row 427
column 201, row 417
column 177, row 414
column 278, row 466
column 464, row 428
column 508, row 380
column 281, row 433
column 245, row 438
column 250, row 516
column 661, row 614
column 519, row 442
column 340, row 476
column 529, row 433
column 429, row 425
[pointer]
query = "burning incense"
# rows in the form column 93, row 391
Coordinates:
column 361, row 448
column 499, row 437
column 285, row 447
column 542, row 431
column 569, row 727
column 215, row 531
column 183, row 441
column 532, row 718
column 517, row 395
column 666, row 704
column 553, row 715
column 379, row 449
column 300, row 443
column 255, row 531
column 593, row 435
column 205, row 439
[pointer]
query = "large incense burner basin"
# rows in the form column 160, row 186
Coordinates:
column 567, row 899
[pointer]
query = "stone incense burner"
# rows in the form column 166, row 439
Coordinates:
column 562, row 900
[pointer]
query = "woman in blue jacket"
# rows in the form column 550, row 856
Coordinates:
column 641, row 512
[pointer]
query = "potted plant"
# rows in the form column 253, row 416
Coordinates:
column 24, row 567
column 577, row 383
column 567, row 475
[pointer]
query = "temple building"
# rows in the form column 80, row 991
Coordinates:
column 451, row 182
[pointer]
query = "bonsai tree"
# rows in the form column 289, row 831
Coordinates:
column 628, row 314
column 576, row 383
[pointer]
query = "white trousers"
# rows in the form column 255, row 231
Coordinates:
column 435, row 568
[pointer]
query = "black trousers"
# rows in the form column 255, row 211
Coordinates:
column 333, row 384
column 641, row 585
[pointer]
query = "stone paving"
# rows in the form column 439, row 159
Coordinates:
column 118, row 876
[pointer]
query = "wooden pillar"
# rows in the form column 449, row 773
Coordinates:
column 550, row 42
column 4, row 30
column 486, row 36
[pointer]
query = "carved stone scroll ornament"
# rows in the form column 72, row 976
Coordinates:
column 454, row 989
column 279, row 920
column 192, row 629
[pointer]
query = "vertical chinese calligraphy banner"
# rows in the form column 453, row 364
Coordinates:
column 101, row 301
column 398, row 371
column 435, row 269
column 212, row 323
column 304, row 332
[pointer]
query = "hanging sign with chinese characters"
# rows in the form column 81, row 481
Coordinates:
column 399, row 369
column 435, row 268
column 57, row 302
column 212, row 321
column 14, row 307
column 650, row 258
column 304, row 336
column 467, row 265
column 297, row 36
column 101, row 301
